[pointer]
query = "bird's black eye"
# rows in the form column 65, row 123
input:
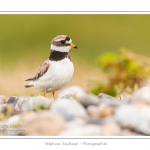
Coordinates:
column 62, row 41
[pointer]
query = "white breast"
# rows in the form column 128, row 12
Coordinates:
column 58, row 75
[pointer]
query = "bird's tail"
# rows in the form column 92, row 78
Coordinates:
column 27, row 86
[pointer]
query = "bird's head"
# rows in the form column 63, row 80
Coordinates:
column 62, row 43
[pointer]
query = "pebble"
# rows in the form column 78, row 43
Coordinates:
column 124, row 97
column 102, row 96
column 3, row 107
column 69, row 96
column 28, row 116
column 13, row 124
column 134, row 117
column 74, row 90
column 100, row 111
column 89, row 99
column 36, row 103
column 108, row 125
column 19, row 104
column 76, row 122
column 12, row 101
column 141, row 96
column 93, row 111
column 126, row 132
column 108, row 100
column 111, row 129
column 77, row 113
column 69, row 109
column 45, row 123
column 12, row 120
column 92, row 120
column 87, row 130
column 3, row 99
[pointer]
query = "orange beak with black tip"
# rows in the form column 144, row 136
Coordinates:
column 73, row 46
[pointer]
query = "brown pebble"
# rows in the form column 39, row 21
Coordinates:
column 105, row 112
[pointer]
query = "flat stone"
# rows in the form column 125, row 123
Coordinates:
column 12, row 101
column 108, row 100
column 111, row 129
column 108, row 125
column 76, row 122
column 69, row 109
column 13, row 124
column 126, row 132
column 100, row 111
column 141, row 96
column 28, row 116
column 124, row 97
column 89, row 99
column 134, row 117
column 93, row 111
column 19, row 103
column 69, row 96
column 87, row 130
column 45, row 123
column 74, row 90
column 12, row 120
column 92, row 120
column 36, row 103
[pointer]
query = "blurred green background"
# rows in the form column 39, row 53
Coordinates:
column 25, row 43
column 28, row 36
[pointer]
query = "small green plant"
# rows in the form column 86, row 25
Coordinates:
column 124, row 71
column 40, row 107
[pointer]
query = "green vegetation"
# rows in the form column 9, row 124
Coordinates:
column 26, row 37
column 125, row 71
column 8, row 111
column 40, row 107
column 25, row 43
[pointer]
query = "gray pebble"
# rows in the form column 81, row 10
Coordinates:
column 19, row 103
column 97, row 121
column 124, row 98
column 134, row 117
column 87, row 130
column 12, row 101
column 32, row 102
column 76, row 122
column 74, row 90
column 108, row 100
column 142, row 95
column 127, row 132
column 89, row 99
column 69, row 109
column 69, row 96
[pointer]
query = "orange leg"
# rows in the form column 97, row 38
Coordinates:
column 54, row 95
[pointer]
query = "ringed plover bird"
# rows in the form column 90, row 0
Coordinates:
column 57, row 70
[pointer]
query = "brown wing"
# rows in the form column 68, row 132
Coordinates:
column 42, row 70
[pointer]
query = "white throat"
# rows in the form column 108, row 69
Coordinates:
column 60, row 48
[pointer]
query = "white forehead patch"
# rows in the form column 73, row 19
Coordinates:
column 60, row 48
